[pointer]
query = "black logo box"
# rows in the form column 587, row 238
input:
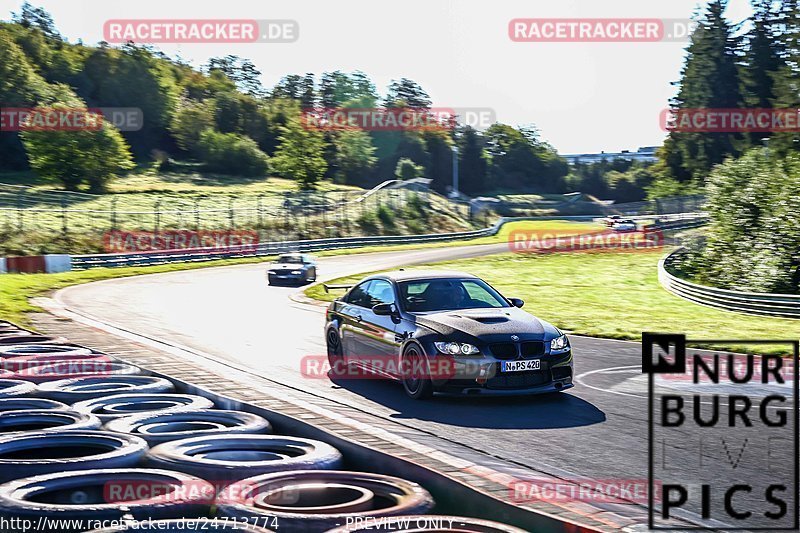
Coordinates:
column 675, row 344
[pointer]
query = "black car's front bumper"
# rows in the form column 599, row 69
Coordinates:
column 483, row 376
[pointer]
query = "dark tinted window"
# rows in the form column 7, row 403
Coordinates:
column 380, row 292
column 358, row 295
column 448, row 294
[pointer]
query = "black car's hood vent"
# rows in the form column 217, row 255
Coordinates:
column 497, row 319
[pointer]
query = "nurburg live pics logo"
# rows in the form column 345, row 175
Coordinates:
column 723, row 446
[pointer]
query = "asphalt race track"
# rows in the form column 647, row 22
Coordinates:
column 598, row 429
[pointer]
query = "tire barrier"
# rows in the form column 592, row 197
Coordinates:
column 420, row 523
column 87, row 388
column 227, row 458
column 32, row 420
column 29, row 338
column 108, row 408
column 17, row 404
column 18, row 350
column 199, row 524
column 157, row 428
column 76, row 369
column 320, row 500
column 15, row 387
column 24, row 362
column 105, row 494
column 32, row 454
column 13, row 332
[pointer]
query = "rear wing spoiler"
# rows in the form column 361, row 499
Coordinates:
column 337, row 287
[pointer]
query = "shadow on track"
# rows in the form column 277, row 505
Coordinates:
column 546, row 411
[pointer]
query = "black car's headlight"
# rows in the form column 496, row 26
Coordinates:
column 559, row 344
column 456, row 348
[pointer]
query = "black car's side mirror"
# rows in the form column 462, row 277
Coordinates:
column 517, row 302
column 383, row 309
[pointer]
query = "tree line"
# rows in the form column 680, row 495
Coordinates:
column 221, row 116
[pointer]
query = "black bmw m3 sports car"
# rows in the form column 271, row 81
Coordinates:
column 445, row 332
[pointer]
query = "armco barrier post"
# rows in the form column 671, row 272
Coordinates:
column 26, row 264
column 57, row 263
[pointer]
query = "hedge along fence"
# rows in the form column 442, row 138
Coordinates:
column 80, row 262
column 753, row 303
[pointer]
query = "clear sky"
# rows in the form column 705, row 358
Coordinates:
column 584, row 97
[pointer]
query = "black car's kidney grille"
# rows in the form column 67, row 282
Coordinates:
column 282, row 272
column 504, row 350
column 529, row 349
column 518, row 380
column 512, row 350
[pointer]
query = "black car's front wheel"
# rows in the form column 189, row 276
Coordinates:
column 416, row 378
column 335, row 352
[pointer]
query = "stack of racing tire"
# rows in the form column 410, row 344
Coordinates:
column 88, row 442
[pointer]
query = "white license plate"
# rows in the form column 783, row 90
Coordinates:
column 519, row 366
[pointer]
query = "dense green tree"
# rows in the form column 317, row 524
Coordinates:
column 354, row 155
column 191, row 119
column 300, row 155
column 308, row 95
column 74, row 158
column 36, row 17
column 787, row 79
column 709, row 79
column 408, row 170
column 405, row 92
column 753, row 241
column 519, row 160
column 472, row 164
column 439, row 167
column 242, row 72
column 132, row 77
column 290, row 87
column 338, row 89
column 230, row 153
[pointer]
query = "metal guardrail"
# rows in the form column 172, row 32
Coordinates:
column 753, row 303
column 82, row 262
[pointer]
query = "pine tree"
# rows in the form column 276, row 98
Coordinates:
column 709, row 79
column 787, row 79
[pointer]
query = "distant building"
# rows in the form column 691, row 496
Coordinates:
column 645, row 153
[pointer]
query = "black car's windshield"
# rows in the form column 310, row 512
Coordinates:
column 292, row 259
column 425, row 295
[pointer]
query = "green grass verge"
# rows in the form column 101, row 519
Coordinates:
column 16, row 289
column 610, row 295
